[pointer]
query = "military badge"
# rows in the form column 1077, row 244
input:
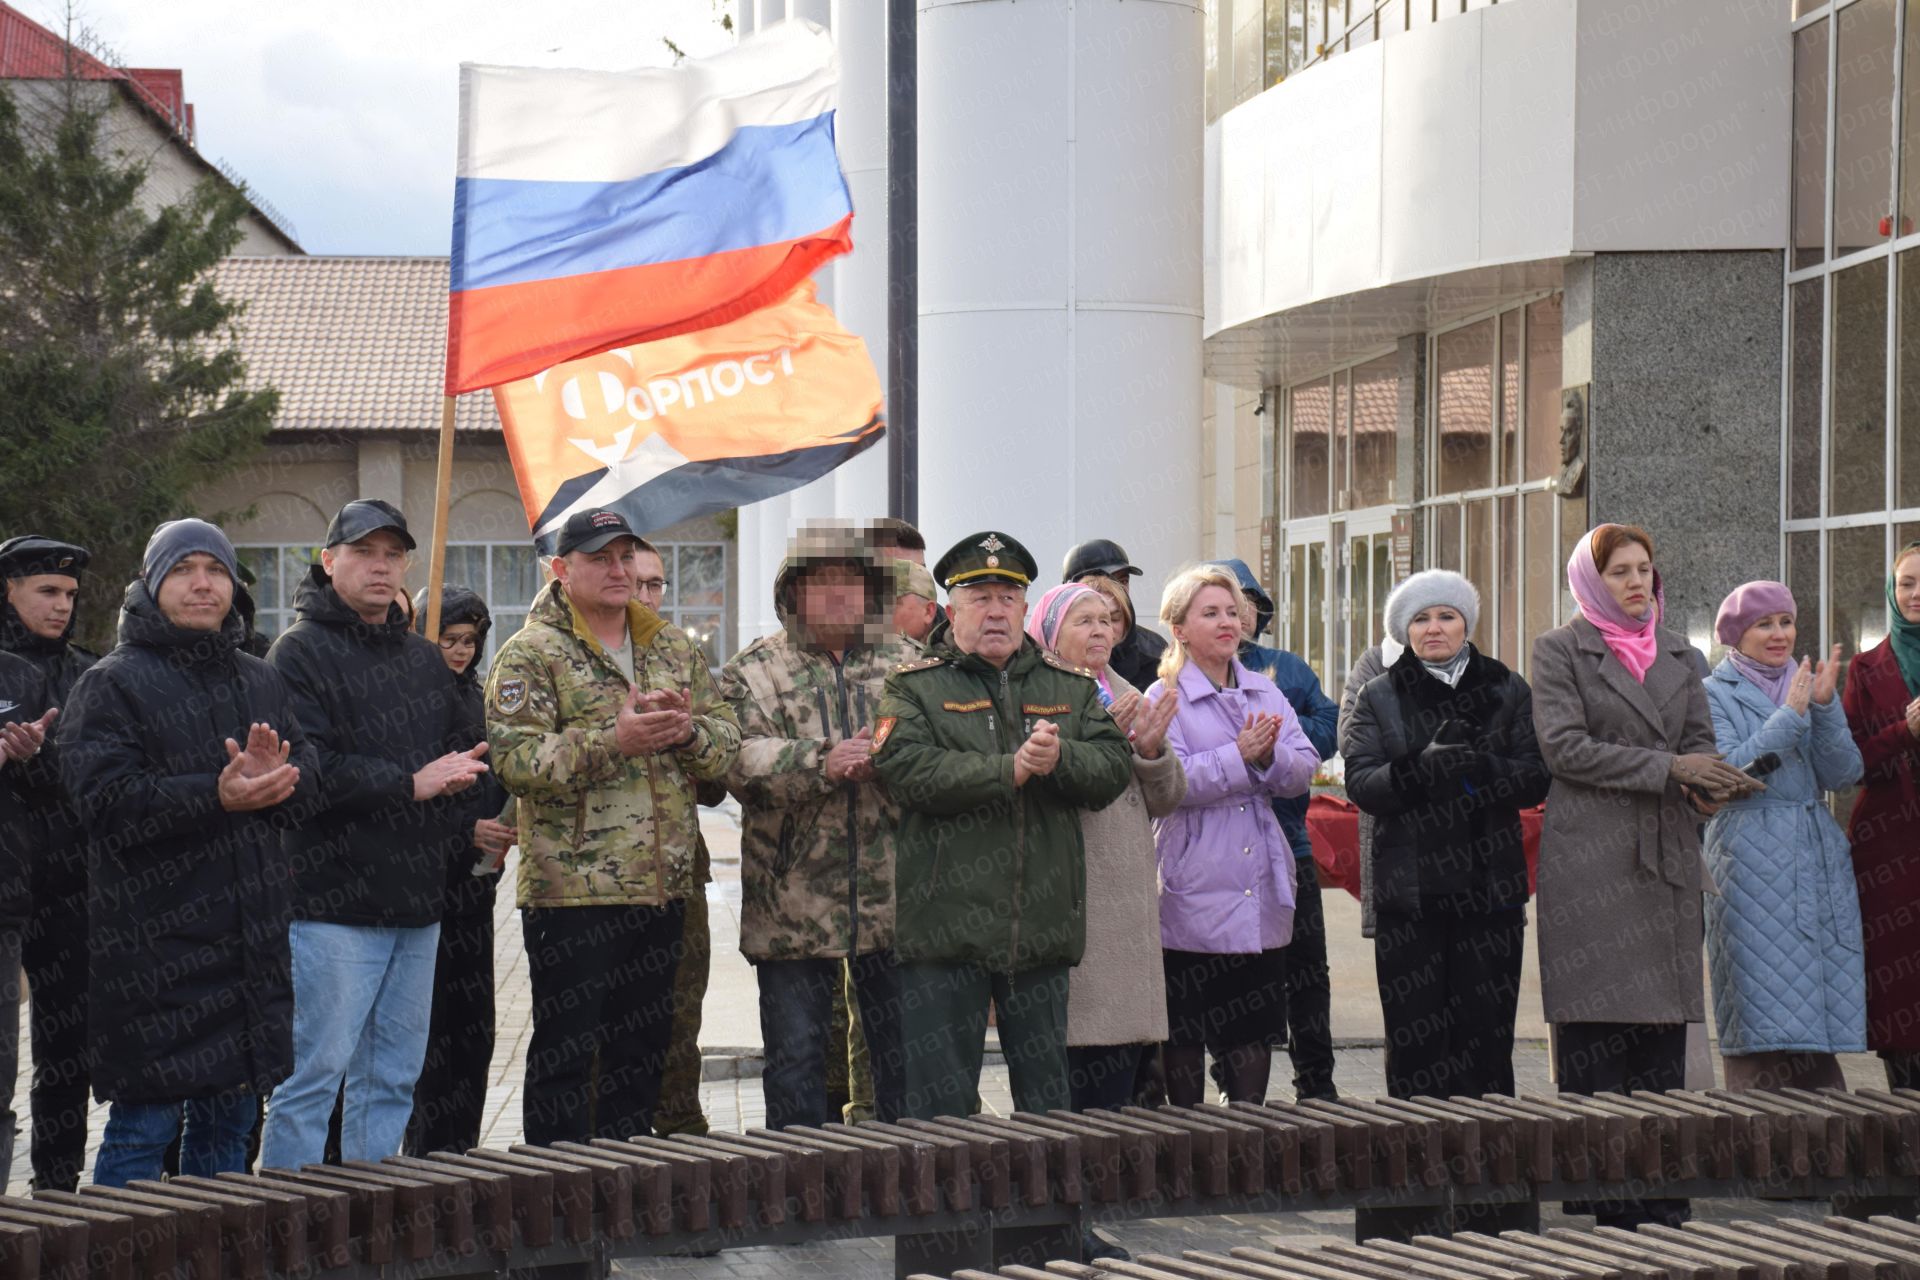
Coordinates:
column 510, row 696
column 882, row 732
column 992, row 543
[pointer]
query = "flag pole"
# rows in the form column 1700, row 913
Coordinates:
column 442, row 500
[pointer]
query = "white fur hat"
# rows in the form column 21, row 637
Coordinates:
column 1424, row 590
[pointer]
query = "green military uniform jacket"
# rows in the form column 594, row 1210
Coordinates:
column 989, row 873
column 598, row 828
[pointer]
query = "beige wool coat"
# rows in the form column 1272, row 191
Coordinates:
column 1117, row 994
column 1620, row 873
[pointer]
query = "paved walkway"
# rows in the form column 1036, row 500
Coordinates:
column 731, row 1094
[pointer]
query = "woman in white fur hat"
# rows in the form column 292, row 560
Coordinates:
column 1440, row 751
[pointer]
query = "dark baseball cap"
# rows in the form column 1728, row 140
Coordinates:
column 364, row 516
column 593, row 529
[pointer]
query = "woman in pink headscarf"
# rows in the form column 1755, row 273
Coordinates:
column 1624, row 727
column 1116, row 995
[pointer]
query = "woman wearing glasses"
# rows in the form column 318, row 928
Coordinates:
column 452, row 1089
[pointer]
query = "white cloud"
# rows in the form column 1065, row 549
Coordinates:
column 344, row 114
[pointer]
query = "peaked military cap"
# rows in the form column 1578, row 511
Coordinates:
column 30, row 555
column 986, row 557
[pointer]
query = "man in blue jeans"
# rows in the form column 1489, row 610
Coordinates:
column 369, row 871
column 186, row 763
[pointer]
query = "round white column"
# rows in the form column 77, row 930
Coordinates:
column 1060, row 276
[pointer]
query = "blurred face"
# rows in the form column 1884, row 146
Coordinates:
column 368, row 574
column 1629, row 577
column 1085, row 638
column 914, row 616
column 460, row 645
column 986, row 619
column 832, row 600
column 1770, row 640
column 1211, row 629
column 650, row 579
column 196, row 594
column 601, row 582
column 1906, row 586
column 44, row 602
column 1436, row 634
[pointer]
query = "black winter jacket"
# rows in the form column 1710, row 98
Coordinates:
column 469, row 895
column 378, row 703
column 190, row 981
column 52, row 824
column 23, row 697
column 1452, row 839
column 1137, row 657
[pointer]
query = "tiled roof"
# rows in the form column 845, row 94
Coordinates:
column 352, row 344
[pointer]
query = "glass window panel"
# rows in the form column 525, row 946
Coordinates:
column 1342, row 438
column 466, row 566
column 1297, row 46
column 1573, row 527
column 1803, row 579
column 1339, row 610
column 1863, row 126
column 1313, row 643
column 1480, row 567
column 1857, row 609
column 1360, row 25
column 704, row 629
column 1316, row 28
column 1509, row 583
column 1310, row 423
column 1463, row 407
column 1509, row 397
column 1376, row 430
column 1541, row 572
column 1910, row 125
column 701, row 580
column 1273, row 45
column 1542, row 427
column 1390, row 19
column 1808, row 302
column 516, row 575
column 1251, row 49
column 1296, row 588
column 1444, row 550
column 1382, row 585
column 1810, row 144
column 1857, row 462
column 1907, row 385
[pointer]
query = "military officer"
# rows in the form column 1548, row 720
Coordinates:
column 990, row 746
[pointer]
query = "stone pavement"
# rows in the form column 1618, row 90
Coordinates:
column 730, row 1039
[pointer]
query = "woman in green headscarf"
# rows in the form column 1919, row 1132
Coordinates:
column 1883, row 712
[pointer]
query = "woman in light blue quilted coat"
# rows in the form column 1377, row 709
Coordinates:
column 1783, row 936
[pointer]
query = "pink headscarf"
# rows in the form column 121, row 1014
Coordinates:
column 1051, row 610
column 1632, row 640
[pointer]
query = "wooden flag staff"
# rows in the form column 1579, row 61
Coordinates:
column 442, row 500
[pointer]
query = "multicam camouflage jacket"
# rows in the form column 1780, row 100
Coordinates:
column 816, row 859
column 598, row 828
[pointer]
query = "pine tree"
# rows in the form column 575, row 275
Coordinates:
column 121, row 389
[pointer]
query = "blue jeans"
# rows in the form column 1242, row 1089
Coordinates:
column 362, row 1002
column 214, row 1139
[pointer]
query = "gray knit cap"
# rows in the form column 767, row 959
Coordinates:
column 1426, row 589
column 175, row 540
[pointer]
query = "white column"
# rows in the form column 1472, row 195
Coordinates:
column 860, row 278
column 1060, row 275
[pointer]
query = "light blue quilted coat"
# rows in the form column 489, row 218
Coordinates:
column 1783, row 937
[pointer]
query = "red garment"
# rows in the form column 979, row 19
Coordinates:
column 1885, row 830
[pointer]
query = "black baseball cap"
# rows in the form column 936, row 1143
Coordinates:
column 593, row 529
column 364, row 516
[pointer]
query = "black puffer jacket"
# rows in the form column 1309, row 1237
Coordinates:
column 23, row 697
column 190, row 981
column 52, row 825
column 1453, row 839
column 467, row 894
column 378, row 703
column 1137, row 657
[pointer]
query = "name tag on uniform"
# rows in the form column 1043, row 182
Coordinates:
column 1035, row 709
column 978, row 704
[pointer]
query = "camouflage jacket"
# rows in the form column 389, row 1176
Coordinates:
column 598, row 828
column 816, row 860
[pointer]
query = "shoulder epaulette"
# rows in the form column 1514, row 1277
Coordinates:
column 919, row 664
column 1055, row 662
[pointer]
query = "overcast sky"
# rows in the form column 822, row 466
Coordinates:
column 343, row 113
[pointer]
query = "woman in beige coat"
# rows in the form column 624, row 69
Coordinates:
column 1624, row 726
column 1116, row 996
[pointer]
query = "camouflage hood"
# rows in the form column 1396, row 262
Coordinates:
column 825, row 542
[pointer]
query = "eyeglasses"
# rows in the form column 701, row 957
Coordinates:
column 653, row 586
column 459, row 642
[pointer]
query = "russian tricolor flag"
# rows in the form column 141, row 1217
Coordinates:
column 596, row 208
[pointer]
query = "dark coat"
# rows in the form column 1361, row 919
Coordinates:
column 1620, row 872
column 379, row 703
column 1137, row 657
column 469, row 895
column 191, row 986
column 52, row 826
column 1885, row 832
column 1455, row 840
column 23, row 698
